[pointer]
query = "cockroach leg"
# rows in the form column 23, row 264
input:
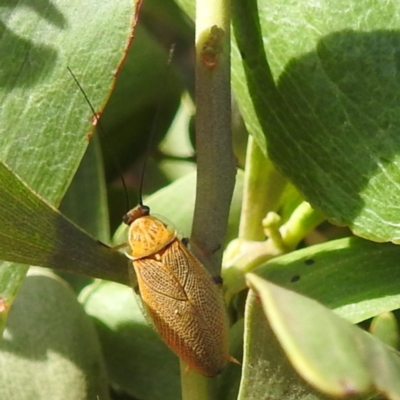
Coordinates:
column 120, row 246
column 217, row 279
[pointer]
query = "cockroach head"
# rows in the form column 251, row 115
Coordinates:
column 137, row 212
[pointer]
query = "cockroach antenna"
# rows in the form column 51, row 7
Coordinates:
column 154, row 127
column 104, row 134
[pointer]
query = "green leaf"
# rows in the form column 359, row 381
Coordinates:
column 33, row 232
column 45, row 121
column 267, row 373
column 44, row 117
column 50, row 348
column 355, row 277
column 334, row 356
column 137, row 359
column 251, row 76
column 332, row 113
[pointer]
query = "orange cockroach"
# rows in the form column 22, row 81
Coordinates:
column 180, row 296
column 182, row 299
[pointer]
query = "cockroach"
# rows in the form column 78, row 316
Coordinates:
column 182, row 299
column 180, row 296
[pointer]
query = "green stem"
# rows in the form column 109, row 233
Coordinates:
column 216, row 168
column 303, row 220
column 245, row 255
column 195, row 386
column 263, row 188
column 215, row 161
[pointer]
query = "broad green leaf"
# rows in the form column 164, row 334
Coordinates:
column 334, row 356
column 251, row 78
column 355, row 277
column 267, row 373
column 33, row 232
column 45, row 121
column 44, row 117
column 50, row 348
column 329, row 107
column 137, row 360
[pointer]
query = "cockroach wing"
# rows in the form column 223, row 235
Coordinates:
column 186, row 307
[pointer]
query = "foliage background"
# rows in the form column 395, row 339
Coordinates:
column 317, row 88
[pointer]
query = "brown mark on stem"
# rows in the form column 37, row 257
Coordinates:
column 212, row 47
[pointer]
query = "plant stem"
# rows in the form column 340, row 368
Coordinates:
column 216, row 168
column 215, row 161
column 263, row 188
column 303, row 220
column 195, row 386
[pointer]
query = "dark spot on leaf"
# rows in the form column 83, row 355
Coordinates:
column 310, row 261
column 243, row 54
column 295, row 278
